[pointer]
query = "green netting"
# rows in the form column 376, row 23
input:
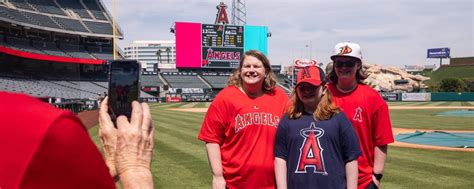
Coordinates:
column 438, row 138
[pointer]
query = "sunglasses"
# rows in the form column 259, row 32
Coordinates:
column 349, row 63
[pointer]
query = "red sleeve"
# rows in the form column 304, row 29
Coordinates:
column 215, row 123
column 67, row 158
column 382, row 127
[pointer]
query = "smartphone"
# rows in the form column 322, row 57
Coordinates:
column 124, row 87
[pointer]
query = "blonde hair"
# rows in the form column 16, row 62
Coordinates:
column 324, row 111
column 270, row 78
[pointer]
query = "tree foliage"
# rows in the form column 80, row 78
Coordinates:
column 469, row 84
column 451, row 85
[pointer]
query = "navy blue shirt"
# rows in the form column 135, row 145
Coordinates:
column 316, row 151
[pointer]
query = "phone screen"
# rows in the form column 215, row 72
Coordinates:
column 123, row 87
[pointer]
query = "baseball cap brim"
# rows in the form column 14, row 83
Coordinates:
column 341, row 55
column 314, row 82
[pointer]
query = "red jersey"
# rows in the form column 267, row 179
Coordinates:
column 245, row 129
column 369, row 116
column 44, row 147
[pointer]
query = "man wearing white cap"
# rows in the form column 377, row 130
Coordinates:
column 366, row 110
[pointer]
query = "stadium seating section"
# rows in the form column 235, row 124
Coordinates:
column 57, row 89
column 85, row 16
column 216, row 81
column 151, row 81
column 77, row 18
column 185, row 81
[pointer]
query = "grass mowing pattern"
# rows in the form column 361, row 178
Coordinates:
column 418, row 168
column 180, row 160
column 427, row 119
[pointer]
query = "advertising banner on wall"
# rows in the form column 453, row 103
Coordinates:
column 389, row 96
column 419, row 97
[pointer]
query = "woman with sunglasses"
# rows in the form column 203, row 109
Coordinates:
column 315, row 145
column 366, row 110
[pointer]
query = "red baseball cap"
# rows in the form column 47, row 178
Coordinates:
column 313, row 75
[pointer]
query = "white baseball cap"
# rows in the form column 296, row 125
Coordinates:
column 347, row 49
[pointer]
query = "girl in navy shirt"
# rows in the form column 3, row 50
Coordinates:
column 315, row 144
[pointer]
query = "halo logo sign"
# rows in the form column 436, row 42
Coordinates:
column 304, row 63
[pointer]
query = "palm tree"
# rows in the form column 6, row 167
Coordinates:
column 168, row 50
column 158, row 55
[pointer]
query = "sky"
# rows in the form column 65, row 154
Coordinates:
column 390, row 33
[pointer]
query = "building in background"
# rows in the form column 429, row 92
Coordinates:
column 414, row 69
column 152, row 55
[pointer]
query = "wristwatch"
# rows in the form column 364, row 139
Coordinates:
column 378, row 176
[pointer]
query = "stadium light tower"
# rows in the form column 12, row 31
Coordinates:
column 239, row 13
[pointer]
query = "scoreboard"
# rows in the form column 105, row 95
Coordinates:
column 222, row 45
column 216, row 45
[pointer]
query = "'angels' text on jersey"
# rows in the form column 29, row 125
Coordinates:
column 257, row 118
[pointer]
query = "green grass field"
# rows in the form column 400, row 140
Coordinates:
column 180, row 159
column 427, row 119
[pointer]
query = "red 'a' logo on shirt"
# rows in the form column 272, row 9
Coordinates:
column 311, row 153
column 358, row 114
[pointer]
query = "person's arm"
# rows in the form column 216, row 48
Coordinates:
column 280, row 173
column 380, row 155
column 351, row 174
column 280, row 152
column 214, row 157
column 382, row 137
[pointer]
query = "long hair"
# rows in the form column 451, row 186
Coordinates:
column 361, row 74
column 324, row 111
column 270, row 78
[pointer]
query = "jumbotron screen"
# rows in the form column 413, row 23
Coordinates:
column 216, row 46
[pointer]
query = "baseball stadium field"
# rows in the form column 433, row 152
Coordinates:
column 180, row 159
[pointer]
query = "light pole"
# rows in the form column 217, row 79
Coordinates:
column 307, row 50
column 310, row 49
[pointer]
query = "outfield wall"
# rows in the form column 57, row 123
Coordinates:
column 427, row 97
